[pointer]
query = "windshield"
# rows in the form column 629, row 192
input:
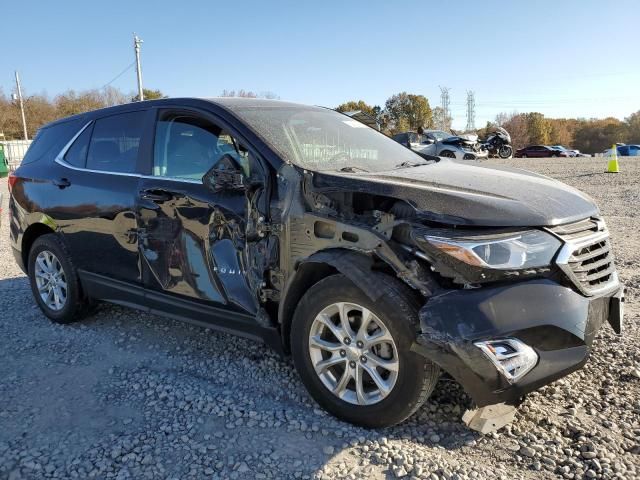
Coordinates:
column 324, row 140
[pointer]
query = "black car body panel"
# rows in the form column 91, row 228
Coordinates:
column 240, row 259
column 473, row 194
column 559, row 322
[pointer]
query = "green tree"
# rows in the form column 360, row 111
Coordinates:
column 149, row 95
column 633, row 128
column 597, row 135
column 406, row 109
column 359, row 105
column 538, row 128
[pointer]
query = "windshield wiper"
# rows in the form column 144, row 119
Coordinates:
column 351, row 169
column 410, row 164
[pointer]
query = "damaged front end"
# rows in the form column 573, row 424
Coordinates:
column 522, row 322
column 500, row 313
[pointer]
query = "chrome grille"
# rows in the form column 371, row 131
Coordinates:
column 586, row 257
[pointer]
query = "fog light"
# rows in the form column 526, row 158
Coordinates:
column 512, row 358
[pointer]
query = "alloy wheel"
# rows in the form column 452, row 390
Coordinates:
column 353, row 353
column 51, row 280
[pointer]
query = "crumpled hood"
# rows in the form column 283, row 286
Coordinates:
column 469, row 137
column 472, row 194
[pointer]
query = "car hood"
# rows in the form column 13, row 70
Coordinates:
column 472, row 194
column 469, row 137
column 466, row 138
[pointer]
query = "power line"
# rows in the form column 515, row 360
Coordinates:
column 119, row 75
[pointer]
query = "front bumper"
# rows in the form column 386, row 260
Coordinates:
column 480, row 154
column 556, row 321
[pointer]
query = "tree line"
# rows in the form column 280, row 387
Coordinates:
column 405, row 111
column 41, row 109
column 587, row 135
column 401, row 112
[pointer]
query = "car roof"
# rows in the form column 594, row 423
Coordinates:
column 228, row 103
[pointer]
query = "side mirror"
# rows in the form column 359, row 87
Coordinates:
column 226, row 174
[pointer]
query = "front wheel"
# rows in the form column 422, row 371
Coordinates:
column 505, row 151
column 353, row 354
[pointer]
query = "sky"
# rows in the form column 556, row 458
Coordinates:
column 568, row 58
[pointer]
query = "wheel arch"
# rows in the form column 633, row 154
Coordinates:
column 30, row 235
column 356, row 266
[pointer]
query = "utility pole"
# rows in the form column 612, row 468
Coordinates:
column 136, row 46
column 24, row 121
column 471, row 111
column 444, row 104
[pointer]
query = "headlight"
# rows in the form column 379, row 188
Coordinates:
column 529, row 249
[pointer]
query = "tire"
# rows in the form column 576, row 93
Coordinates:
column 505, row 151
column 447, row 154
column 397, row 309
column 75, row 306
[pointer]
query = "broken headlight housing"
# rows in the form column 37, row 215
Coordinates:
column 506, row 251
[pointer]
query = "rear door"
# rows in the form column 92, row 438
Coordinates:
column 193, row 242
column 96, row 181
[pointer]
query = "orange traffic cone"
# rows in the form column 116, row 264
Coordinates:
column 613, row 161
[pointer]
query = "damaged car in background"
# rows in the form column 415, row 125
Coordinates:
column 464, row 146
column 375, row 268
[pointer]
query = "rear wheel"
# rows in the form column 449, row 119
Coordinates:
column 447, row 154
column 54, row 281
column 353, row 354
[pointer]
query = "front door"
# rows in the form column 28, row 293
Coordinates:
column 193, row 241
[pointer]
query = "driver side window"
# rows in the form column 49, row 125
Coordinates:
column 187, row 146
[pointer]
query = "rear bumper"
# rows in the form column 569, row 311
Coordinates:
column 558, row 323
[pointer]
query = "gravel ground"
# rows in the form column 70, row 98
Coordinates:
column 130, row 395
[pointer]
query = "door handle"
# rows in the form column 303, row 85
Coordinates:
column 61, row 183
column 156, row 195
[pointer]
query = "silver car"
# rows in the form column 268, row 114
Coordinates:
column 443, row 144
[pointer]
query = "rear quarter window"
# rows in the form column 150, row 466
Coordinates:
column 50, row 140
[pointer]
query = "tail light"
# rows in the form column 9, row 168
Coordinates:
column 11, row 181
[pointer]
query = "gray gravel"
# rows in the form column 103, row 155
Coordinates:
column 129, row 395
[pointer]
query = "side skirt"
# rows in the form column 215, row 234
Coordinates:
column 207, row 316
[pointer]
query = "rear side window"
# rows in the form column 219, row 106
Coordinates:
column 77, row 154
column 114, row 143
column 50, row 141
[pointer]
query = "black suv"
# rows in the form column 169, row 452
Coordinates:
column 372, row 266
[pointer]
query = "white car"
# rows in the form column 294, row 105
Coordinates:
column 443, row 144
